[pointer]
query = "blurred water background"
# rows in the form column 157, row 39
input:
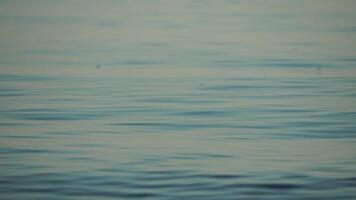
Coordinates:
column 177, row 99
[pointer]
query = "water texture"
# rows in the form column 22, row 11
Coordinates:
column 191, row 100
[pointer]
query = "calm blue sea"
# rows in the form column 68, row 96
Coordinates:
column 211, row 100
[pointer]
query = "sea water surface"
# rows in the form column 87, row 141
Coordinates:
column 191, row 100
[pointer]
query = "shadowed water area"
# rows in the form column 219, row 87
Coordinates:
column 177, row 100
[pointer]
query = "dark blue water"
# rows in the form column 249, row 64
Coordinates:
column 192, row 100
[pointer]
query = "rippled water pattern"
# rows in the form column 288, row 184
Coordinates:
column 174, row 139
column 177, row 100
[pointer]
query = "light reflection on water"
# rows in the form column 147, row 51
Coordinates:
column 107, row 138
column 192, row 100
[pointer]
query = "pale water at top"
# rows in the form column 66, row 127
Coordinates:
column 178, row 99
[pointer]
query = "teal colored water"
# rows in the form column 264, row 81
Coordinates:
column 177, row 100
